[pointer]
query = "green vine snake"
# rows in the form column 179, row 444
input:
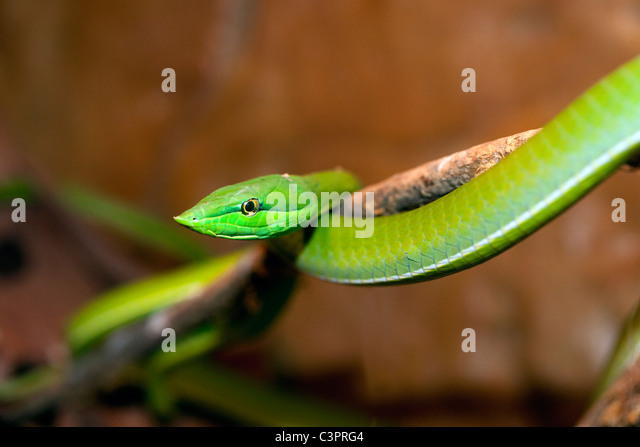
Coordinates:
column 578, row 149
column 574, row 152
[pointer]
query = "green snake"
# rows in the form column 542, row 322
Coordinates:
column 574, row 152
column 578, row 149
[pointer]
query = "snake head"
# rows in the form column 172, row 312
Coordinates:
column 259, row 208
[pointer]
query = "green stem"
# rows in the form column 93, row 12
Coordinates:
column 222, row 391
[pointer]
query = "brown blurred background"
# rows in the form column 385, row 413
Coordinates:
column 297, row 86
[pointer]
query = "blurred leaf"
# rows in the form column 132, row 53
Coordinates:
column 28, row 384
column 141, row 227
column 223, row 391
column 132, row 222
column 624, row 355
column 11, row 188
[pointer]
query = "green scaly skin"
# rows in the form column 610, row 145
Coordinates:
column 577, row 150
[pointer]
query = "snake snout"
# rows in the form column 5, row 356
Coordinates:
column 187, row 219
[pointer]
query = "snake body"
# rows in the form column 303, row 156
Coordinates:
column 573, row 153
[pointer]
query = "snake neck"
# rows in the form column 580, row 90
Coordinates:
column 290, row 246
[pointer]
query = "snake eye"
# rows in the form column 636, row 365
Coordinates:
column 250, row 207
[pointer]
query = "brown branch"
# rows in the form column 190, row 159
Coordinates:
column 421, row 185
column 430, row 181
column 619, row 406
